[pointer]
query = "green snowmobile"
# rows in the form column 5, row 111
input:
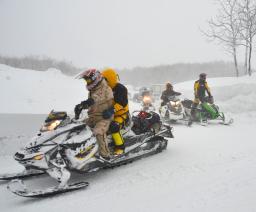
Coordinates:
column 204, row 112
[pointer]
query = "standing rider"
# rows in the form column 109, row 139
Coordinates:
column 121, row 108
column 99, row 105
column 167, row 93
column 200, row 87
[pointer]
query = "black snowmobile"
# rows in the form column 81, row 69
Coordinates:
column 64, row 144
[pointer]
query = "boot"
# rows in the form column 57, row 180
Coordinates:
column 103, row 147
column 118, row 150
column 119, row 143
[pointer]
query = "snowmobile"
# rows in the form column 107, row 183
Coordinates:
column 173, row 111
column 63, row 145
column 205, row 112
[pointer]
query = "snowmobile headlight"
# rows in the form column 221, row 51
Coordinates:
column 50, row 126
column 176, row 103
column 172, row 103
column 38, row 157
column 146, row 99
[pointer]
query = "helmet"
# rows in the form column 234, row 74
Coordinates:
column 143, row 88
column 202, row 76
column 111, row 76
column 168, row 85
column 92, row 77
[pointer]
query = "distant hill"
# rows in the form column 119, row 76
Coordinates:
column 137, row 76
column 175, row 73
column 39, row 64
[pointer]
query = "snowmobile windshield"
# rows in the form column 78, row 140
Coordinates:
column 173, row 98
column 49, row 126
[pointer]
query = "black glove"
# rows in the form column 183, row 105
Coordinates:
column 87, row 103
column 106, row 114
column 78, row 109
column 83, row 105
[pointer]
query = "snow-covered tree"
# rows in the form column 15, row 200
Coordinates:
column 225, row 28
column 247, row 15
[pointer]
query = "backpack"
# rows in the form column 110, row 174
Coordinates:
column 145, row 122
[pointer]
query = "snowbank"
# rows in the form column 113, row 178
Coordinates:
column 233, row 95
column 28, row 91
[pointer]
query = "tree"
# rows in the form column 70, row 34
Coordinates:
column 225, row 28
column 247, row 15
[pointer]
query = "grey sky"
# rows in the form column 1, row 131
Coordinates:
column 117, row 33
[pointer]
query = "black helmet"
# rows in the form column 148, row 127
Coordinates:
column 202, row 76
column 169, row 86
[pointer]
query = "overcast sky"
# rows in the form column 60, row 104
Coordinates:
column 115, row 33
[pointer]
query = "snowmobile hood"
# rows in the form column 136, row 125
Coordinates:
column 43, row 137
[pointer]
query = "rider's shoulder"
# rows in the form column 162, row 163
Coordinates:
column 120, row 87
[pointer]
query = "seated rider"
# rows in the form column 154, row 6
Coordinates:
column 167, row 93
column 121, row 108
column 200, row 88
column 99, row 103
column 145, row 92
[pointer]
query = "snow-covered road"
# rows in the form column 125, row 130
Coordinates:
column 209, row 168
column 204, row 169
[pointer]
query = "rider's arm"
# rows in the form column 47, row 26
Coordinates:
column 196, row 86
column 120, row 98
column 177, row 93
column 208, row 89
column 164, row 96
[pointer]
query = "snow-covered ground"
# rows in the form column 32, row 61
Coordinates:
column 28, row 91
column 209, row 168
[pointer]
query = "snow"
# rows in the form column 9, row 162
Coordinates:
column 28, row 91
column 209, row 168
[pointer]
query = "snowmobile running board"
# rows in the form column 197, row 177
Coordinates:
column 117, row 161
column 45, row 192
column 168, row 130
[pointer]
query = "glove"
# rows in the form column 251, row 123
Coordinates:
column 87, row 103
column 106, row 114
column 78, row 109
column 83, row 105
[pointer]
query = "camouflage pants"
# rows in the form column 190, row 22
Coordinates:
column 99, row 130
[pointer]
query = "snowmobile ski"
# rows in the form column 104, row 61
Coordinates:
column 21, row 175
column 229, row 122
column 51, row 191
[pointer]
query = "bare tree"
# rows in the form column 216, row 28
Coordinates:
column 225, row 28
column 247, row 15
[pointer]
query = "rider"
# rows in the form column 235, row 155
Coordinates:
column 200, row 87
column 167, row 93
column 145, row 92
column 100, row 108
column 121, row 108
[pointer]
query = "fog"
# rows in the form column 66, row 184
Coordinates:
column 116, row 33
